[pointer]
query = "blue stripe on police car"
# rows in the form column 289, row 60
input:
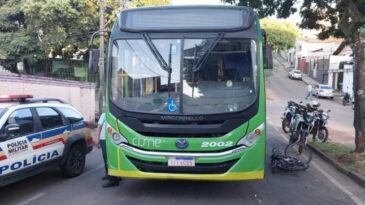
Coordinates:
column 28, row 162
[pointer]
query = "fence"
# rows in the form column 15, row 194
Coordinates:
column 64, row 69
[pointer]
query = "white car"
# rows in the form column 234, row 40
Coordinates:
column 295, row 74
column 36, row 135
column 322, row 90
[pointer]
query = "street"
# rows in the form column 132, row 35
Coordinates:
column 320, row 184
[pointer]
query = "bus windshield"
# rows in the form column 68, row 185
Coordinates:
column 203, row 80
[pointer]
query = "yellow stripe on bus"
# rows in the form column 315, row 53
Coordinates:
column 215, row 177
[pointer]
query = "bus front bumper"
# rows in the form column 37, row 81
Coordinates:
column 240, row 163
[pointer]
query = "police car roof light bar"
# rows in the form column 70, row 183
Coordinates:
column 45, row 100
column 14, row 98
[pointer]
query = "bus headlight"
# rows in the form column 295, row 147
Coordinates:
column 116, row 137
column 252, row 137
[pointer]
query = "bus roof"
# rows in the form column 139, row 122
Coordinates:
column 186, row 18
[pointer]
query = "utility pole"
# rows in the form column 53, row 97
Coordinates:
column 101, row 60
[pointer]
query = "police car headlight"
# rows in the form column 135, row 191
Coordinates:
column 116, row 137
column 252, row 137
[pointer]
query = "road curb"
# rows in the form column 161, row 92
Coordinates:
column 356, row 177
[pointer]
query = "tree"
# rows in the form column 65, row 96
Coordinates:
column 344, row 19
column 338, row 18
column 141, row 3
column 31, row 30
column 281, row 35
column 16, row 40
column 62, row 27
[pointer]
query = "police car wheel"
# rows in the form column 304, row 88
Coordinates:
column 75, row 162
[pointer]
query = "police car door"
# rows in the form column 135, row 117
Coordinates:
column 16, row 152
column 54, row 132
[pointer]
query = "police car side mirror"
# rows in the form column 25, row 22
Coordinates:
column 10, row 129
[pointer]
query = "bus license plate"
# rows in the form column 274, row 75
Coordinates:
column 181, row 162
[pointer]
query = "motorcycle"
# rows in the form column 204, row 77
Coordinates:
column 296, row 123
column 288, row 116
column 320, row 130
column 304, row 122
column 346, row 99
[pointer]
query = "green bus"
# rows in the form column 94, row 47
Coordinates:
column 185, row 96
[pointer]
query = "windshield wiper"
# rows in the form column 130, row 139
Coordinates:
column 206, row 53
column 203, row 58
column 166, row 67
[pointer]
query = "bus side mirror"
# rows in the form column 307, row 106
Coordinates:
column 94, row 53
column 94, row 60
column 268, row 62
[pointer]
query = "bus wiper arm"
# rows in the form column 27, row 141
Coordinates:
column 206, row 53
column 156, row 53
column 159, row 58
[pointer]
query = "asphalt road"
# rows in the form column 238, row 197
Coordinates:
column 281, row 89
column 320, row 184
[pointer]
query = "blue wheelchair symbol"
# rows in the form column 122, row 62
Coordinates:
column 171, row 106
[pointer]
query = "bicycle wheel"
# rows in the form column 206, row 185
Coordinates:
column 299, row 151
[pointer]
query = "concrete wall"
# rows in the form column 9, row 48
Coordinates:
column 80, row 95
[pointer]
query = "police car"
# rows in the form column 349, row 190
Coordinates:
column 37, row 134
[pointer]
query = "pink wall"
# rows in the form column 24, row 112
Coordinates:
column 80, row 95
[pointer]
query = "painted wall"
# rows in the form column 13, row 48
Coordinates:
column 348, row 79
column 334, row 68
column 80, row 95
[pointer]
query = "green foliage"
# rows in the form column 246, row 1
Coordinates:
column 62, row 27
column 281, row 35
column 15, row 37
column 140, row 3
column 281, row 8
column 338, row 18
column 31, row 30
column 342, row 18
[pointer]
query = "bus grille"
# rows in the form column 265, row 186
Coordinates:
column 159, row 167
column 179, row 135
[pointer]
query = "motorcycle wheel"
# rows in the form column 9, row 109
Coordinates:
column 285, row 125
column 344, row 102
column 322, row 135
